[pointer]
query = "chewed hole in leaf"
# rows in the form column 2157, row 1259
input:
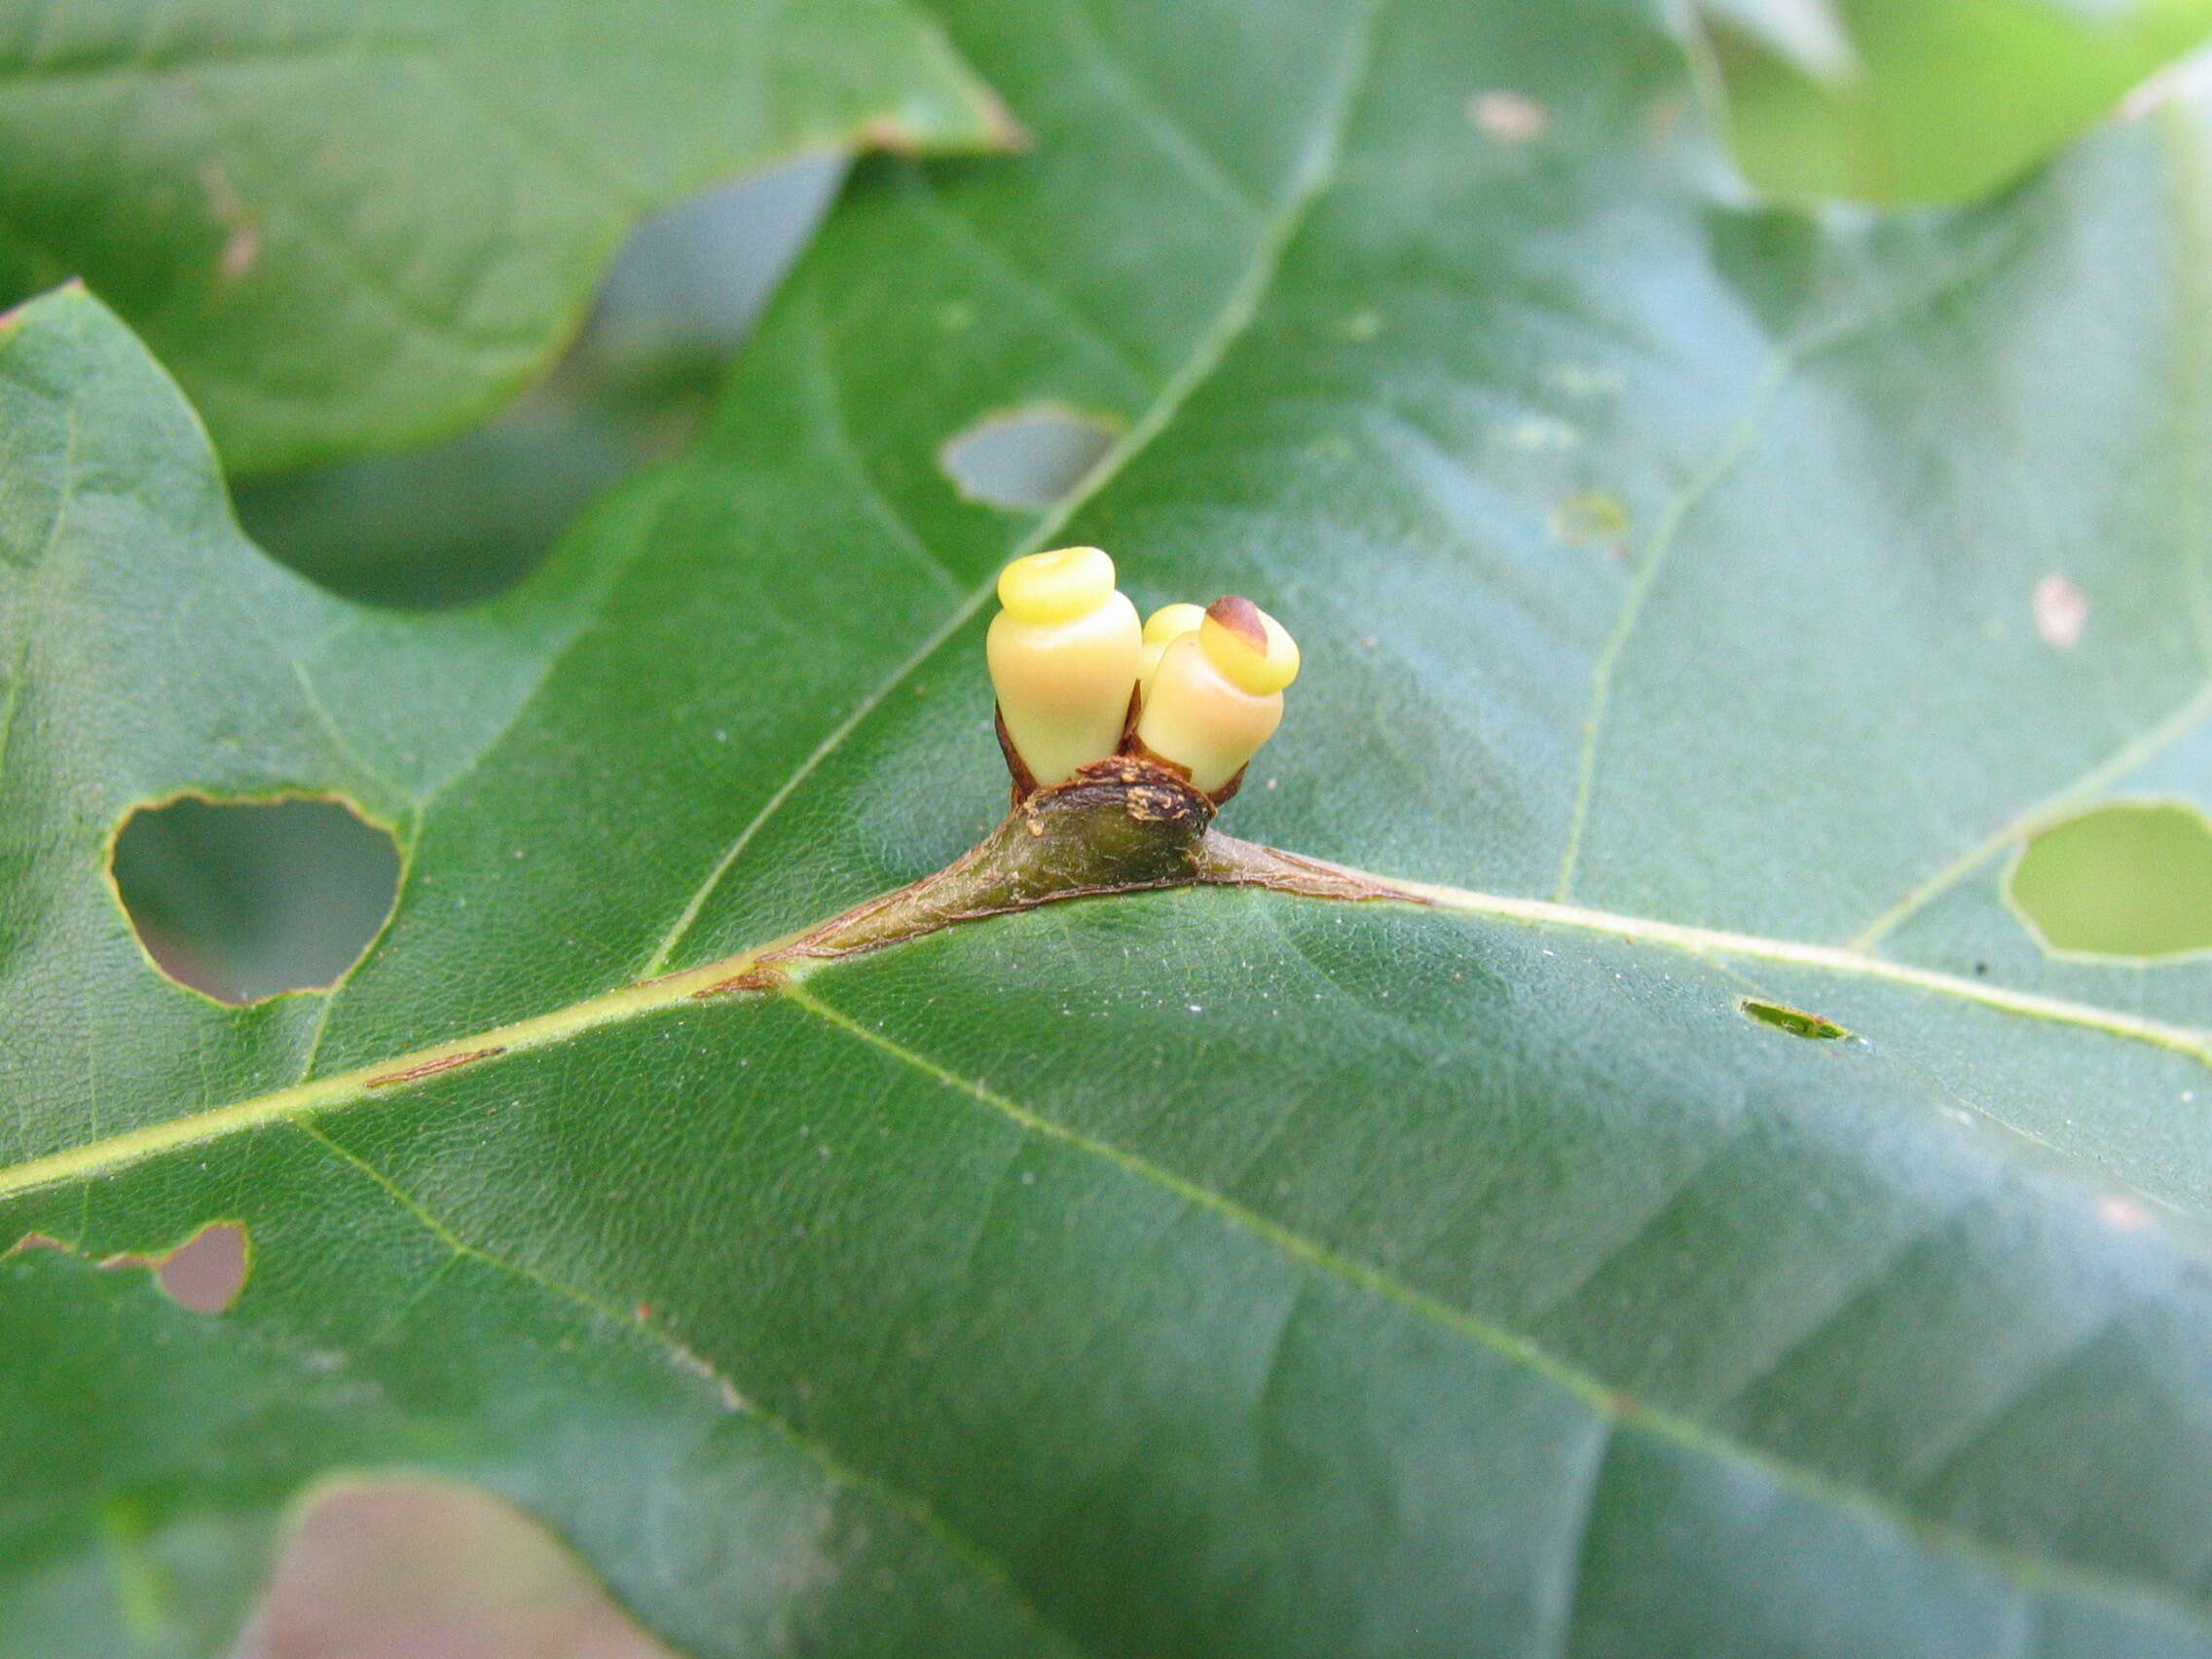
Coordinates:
column 1027, row 458
column 374, row 1569
column 2131, row 880
column 1510, row 117
column 1795, row 1020
column 244, row 899
column 1592, row 519
column 206, row 1272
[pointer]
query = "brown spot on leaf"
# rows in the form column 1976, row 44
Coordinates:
column 759, row 976
column 241, row 244
column 431, row 1068
column 2124, row 1212
column 1594, row 518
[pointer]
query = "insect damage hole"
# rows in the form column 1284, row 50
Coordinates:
column 1027, row 458
column 242, row 901
column 206, row 1272
column 2131, row 881
column 203, row 1274
column 404, row 1565
column 1797, row 1021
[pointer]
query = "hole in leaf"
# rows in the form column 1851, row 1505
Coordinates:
column 2061, row 610
column 2132, row 880
column 1795, row 1020
column 451, row 523
column 1592, row 519
column 1510, row 117
column 243, row 900
column 402, row 1568
column 206, row 1272
column 1026, row 458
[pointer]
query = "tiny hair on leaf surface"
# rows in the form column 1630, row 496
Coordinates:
column 1407, row 1251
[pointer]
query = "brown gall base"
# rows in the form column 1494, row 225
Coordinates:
column 1126, row 825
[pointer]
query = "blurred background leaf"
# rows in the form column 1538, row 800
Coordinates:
column 1901, row 101
column 351, row 227
column 469, row 517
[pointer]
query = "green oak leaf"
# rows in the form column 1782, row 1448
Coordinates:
column 1894, row 101
column 358, row 226
column 1204, row 1272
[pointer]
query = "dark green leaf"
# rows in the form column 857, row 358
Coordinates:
column 1203, row 1271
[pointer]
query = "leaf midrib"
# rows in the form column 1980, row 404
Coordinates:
column 397, row 1074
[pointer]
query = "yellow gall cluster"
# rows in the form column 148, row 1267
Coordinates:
column 1066, row 657
column 1161, row 629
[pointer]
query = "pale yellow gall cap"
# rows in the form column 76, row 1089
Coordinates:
column 1161, row 629
column 1171, row 622
column 1254, row 650
column 1203, row 720
column 1057, row 586
column 1065, row 659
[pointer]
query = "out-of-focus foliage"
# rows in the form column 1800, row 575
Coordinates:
column 1897, row 101
column 468, row 518
column 356, row 224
